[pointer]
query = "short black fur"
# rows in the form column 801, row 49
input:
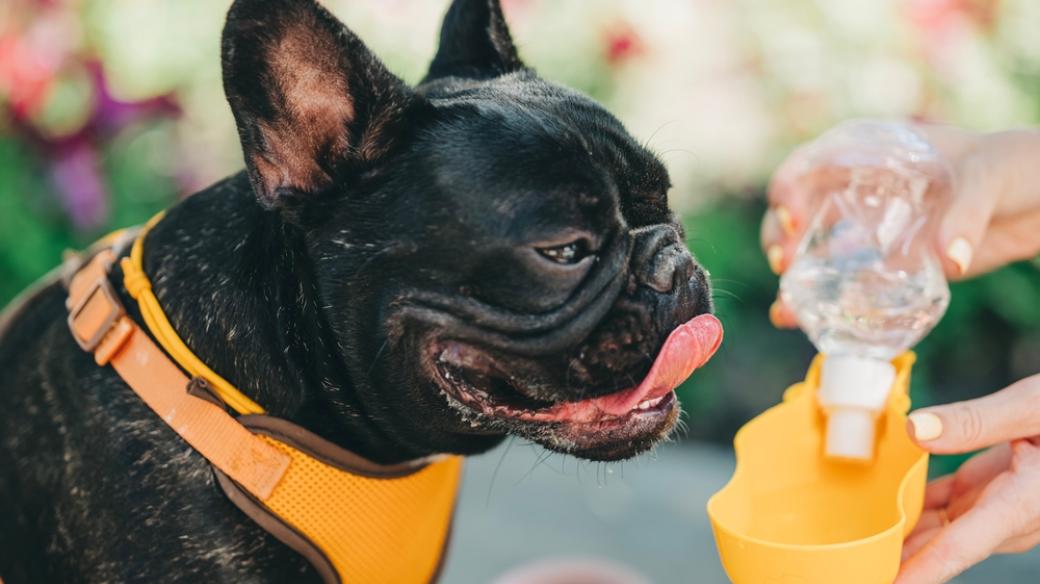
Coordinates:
column 379, row 236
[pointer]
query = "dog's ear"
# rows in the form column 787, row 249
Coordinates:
column 475, row 42
column 309, row 99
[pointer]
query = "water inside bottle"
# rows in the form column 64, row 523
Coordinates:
column 860, row 307
column 866, row 280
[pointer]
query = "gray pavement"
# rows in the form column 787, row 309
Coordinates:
column 647, row 514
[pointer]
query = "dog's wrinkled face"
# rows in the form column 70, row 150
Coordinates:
column 495, row 253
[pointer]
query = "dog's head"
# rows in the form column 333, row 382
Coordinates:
column 495, row 253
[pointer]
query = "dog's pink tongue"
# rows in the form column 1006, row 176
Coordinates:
column 687, row 348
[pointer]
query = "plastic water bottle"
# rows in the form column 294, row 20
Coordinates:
column 866, row 283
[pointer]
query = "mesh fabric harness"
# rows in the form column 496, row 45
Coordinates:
column 354, row 520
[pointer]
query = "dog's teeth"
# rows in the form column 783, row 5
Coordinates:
column 646, row 405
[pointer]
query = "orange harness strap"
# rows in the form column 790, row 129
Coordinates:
column 354, row 520
column 100, row 326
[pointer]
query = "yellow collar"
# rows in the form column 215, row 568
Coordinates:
column 140, row 288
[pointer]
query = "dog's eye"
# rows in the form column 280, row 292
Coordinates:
column 570, row 253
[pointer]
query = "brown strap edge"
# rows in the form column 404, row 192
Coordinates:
column 118, row 245
column 272, row 524
column 321, row 449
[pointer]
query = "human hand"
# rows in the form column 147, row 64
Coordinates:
column 993, row 219
column 992, row 503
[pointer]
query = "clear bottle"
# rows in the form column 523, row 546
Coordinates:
column 866, row 283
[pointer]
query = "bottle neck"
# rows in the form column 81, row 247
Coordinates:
column 853, row 392
column 855, row 382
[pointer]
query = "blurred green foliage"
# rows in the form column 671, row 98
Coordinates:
column 34, row 231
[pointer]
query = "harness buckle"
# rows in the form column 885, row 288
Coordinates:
column 98, row 321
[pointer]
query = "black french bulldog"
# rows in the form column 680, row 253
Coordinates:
column 401, row 270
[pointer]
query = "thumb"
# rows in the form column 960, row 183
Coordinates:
column 1008, row 414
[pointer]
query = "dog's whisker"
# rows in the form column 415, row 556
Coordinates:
column 689, row 153
column 379, row 353
column 498, row 467
column 546, row 454
column 653, row 134
column 727, row 294
column 577, row 470
column 730, row 281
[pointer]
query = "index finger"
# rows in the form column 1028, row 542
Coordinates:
column 786, row 218
column 970, row 425
column 795, row 191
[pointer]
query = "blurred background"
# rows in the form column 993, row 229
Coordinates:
column 112, row 109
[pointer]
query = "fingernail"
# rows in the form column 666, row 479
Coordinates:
column 775, row 255
column 960, row 251
column 926, row 426
column 783, row 216
column 774, row 314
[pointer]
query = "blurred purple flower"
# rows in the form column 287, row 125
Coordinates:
column 112, row 115
column 74, row 170
column 73, row 161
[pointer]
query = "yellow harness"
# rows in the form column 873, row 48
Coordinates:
column 354, row 520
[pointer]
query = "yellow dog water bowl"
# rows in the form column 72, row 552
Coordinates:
column 790, row 515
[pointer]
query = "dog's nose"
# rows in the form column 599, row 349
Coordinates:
column 661, row 259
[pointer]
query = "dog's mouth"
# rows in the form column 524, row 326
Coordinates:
column 615, row 425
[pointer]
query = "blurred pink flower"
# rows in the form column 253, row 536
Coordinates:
column 939, row 20
column 26, row 75
column 621, row 43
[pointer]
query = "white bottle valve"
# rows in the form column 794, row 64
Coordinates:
column 853, row 393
